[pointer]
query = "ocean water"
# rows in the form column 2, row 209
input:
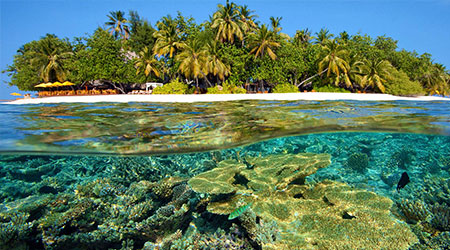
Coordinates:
column 225, row 175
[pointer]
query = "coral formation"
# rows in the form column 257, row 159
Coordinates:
column 414, row 211
column 442, row 241
column 403, row 158
column 435, row 190
column 441, row 217
column 327, row 215
column 14, row 229
column 358, row 162
column 57, row 202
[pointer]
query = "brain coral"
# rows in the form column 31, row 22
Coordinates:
column 328, row 215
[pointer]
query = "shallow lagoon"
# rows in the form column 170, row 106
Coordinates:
column 315, row 174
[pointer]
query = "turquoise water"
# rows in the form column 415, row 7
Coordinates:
column 307, row 175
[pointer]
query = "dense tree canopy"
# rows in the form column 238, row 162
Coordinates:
column 232, row 47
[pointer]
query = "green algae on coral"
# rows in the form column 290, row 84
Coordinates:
column 308, row 217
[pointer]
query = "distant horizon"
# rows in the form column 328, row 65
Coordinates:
column 420, row 26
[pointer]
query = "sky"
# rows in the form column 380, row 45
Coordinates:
column 420, row 25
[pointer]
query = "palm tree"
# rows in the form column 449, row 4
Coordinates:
column 118, row 24
column 373, row 73
column 227, row 23
column 334, row 61
column 50, row 56
column 168, row 38
column 247, row 20
column 302, row 37
column 263, row 41
column 344, row 37
column 214, row 64
column 436, row 80
column 146, row 62
column 275, row 24
column 193, row 58
column 323, row 35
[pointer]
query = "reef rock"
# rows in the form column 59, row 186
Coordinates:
column 327, row 215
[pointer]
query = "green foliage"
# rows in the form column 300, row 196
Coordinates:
column 285, row 88
column 400, row 84
column 240, row 61
column 39, row 61
column 330, row 89
column 227, row 88
column 173, row 87
column 229, row 47
column 103, row 58
column 270, row 71
column 141, row 33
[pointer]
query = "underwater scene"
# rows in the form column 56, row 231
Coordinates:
column 225, row 175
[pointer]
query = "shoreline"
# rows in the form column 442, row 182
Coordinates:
column 313, row 96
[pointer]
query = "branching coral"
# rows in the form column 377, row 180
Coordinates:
column 358, row 162
column 413, row 211
column 435, row 190
column 402, row 158
column 13, row 229
column 441, row 217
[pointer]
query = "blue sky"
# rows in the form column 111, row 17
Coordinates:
column 423, row 26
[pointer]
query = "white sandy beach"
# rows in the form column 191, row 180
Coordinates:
column 225, row 97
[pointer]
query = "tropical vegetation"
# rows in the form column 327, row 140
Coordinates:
column 232, row 52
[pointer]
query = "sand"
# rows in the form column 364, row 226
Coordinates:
column 227, row 97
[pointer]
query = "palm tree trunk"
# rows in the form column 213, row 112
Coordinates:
column 309, row 78
column 206, row 78
column 196, row 85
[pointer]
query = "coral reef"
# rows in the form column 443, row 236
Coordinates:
column 327, row 215
column 413, row 211
column 442, row 242
column 358, row 162
column 58, row 202
column 14, row 230
column 441, row 217
column 435, row 190
column 402, row 158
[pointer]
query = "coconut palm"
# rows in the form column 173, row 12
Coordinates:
column 247, row 19
column 50, row 55
column 262, row 42
column 275, row 24
column 118, row 24
column 323, row 35
column 344, row 37
column 214, row 64
column 227, row 23
column 302, row 37
column 146, row 62
column 193, row 58
column 334, row 61
column 168, row 37
column 373, row 73
column 436, row 80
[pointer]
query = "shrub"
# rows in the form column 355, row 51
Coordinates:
column 400, row 84
column 285, row 88
column 330, row 88
column 218, row 90
column 226, row 88
column 173, row 87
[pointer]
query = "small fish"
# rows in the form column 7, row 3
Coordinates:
column 240, row 210
column 403, row 181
